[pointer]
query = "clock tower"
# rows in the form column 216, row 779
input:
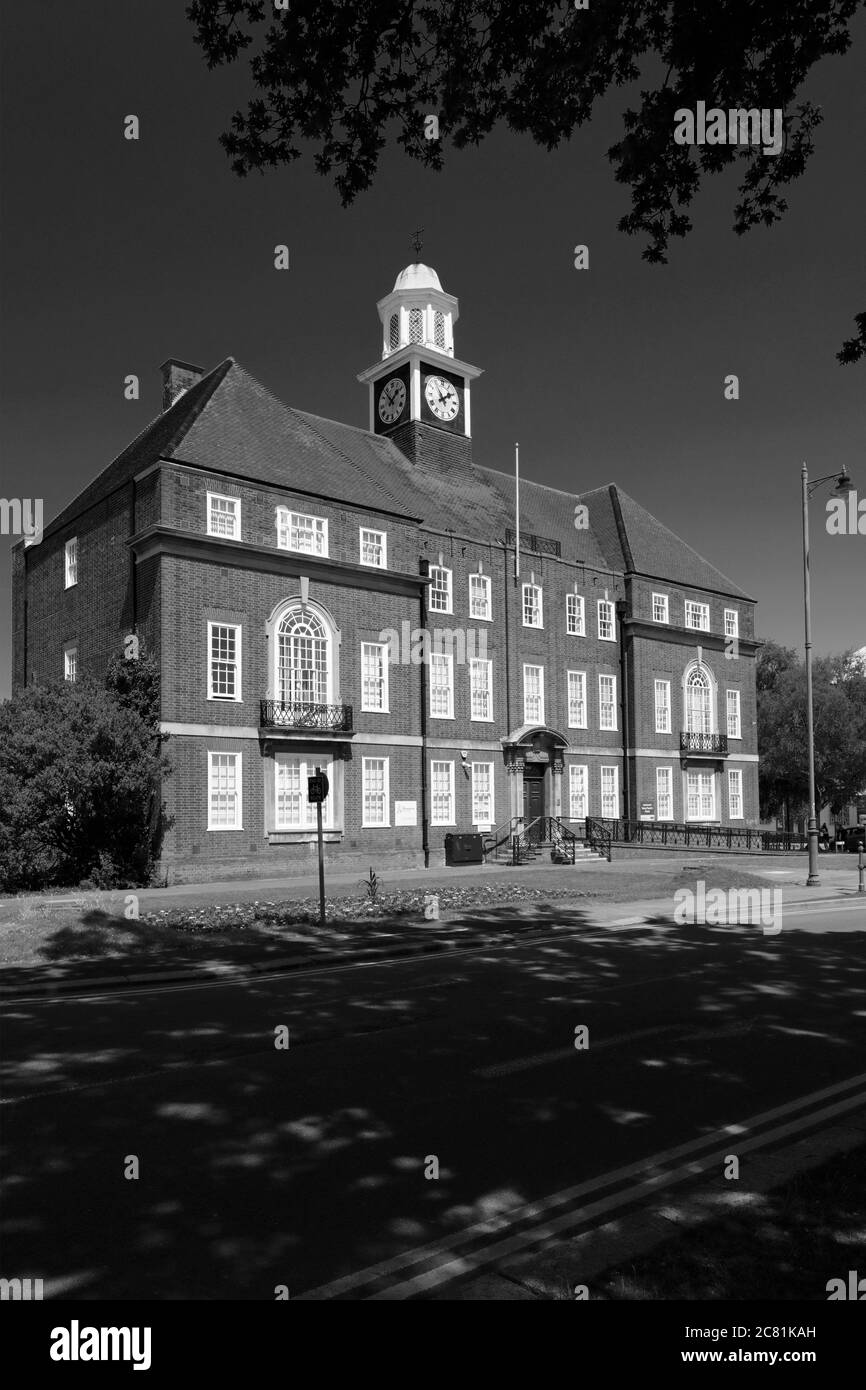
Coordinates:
column 419, row 391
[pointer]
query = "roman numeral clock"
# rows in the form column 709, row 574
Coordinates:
column 419, row 389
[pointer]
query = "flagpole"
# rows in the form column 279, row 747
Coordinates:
column 517, row 511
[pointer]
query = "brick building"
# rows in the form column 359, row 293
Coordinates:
column 323, row 595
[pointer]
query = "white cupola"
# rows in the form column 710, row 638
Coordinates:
column 418, row 312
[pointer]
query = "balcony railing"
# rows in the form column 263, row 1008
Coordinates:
column 303, row 714
column 704, row 743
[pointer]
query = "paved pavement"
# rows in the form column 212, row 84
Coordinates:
column 314, row 1166
column 255, row 952
column 838, row 872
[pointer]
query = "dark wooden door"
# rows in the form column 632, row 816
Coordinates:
column 533, row 797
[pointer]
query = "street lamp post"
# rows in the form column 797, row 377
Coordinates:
column 842, row 488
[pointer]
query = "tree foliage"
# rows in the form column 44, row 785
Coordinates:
column 854, row 348
column 839, row 703
column 80, row 777
column 346, row 77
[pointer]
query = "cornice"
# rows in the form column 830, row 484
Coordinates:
column 161, row 540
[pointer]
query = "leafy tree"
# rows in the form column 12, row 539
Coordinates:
column 80, row 773
column 773, row 662
column 344, row 76
column 839, row 704
column 854, row 348
column 134, row 683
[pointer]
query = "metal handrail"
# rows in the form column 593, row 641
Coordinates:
column 498, row 837
column 306, row 714
column 598, row 837
column 691, row 742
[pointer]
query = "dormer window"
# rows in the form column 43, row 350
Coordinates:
column 416, row 325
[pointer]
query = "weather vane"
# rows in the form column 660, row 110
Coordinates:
column 418, row 241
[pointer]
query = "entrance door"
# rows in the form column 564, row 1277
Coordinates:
column 533, row 796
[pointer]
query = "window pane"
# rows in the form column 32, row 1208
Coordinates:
column 375, row 793
column 440, row 590
column 373, row 548
column 533, row 695
column 578, row 792
column 479, row 684
column 373, row 657
column 224, row 791
column 223, row 665
column 440, row 685
column 479, row 596
column 574, row 615
column 607, row 702
column 532, row 616
column 442, row 793
column 482, row 793
column 302, row 660
column 609, row 793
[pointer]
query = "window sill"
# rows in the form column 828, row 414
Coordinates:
column 302, row 837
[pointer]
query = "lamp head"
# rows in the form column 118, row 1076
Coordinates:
column 843, row 484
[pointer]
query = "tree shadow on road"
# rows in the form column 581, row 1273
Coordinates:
column 261, row 1166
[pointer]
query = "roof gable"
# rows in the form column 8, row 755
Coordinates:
column 645, row 546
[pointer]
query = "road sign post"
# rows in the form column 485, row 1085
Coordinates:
column 317, row 789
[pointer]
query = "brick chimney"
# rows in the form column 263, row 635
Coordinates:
column 176, row 378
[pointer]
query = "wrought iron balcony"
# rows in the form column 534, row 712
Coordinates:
column 303, row 714
column 704, row 743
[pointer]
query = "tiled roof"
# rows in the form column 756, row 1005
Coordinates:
column 229, row 423
column 156, row 440
column 636, row 540
column 246, row 431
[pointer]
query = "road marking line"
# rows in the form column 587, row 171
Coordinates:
column 451, row 956
column 531, row 1210
column 452, row 1269
column 538, row 1059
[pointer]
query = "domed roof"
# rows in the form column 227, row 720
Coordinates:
column 418, row 277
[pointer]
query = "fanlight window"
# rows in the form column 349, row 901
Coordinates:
column 302, row 654
column 698, row 703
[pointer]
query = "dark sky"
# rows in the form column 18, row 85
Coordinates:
column 116, row 255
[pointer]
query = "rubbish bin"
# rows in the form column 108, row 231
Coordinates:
column 463, row 849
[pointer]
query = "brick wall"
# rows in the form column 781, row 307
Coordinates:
column 97, row 612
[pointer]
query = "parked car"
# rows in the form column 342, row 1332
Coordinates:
column 855, row 839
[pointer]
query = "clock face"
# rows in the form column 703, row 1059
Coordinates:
column 392, row 400
column 442, row 397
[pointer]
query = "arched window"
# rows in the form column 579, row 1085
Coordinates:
column 416, row 325
column 698, row 702
column 440, row 329
column 302, row 659
column 394, row 332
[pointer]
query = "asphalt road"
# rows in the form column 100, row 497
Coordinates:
column 261, row 1166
